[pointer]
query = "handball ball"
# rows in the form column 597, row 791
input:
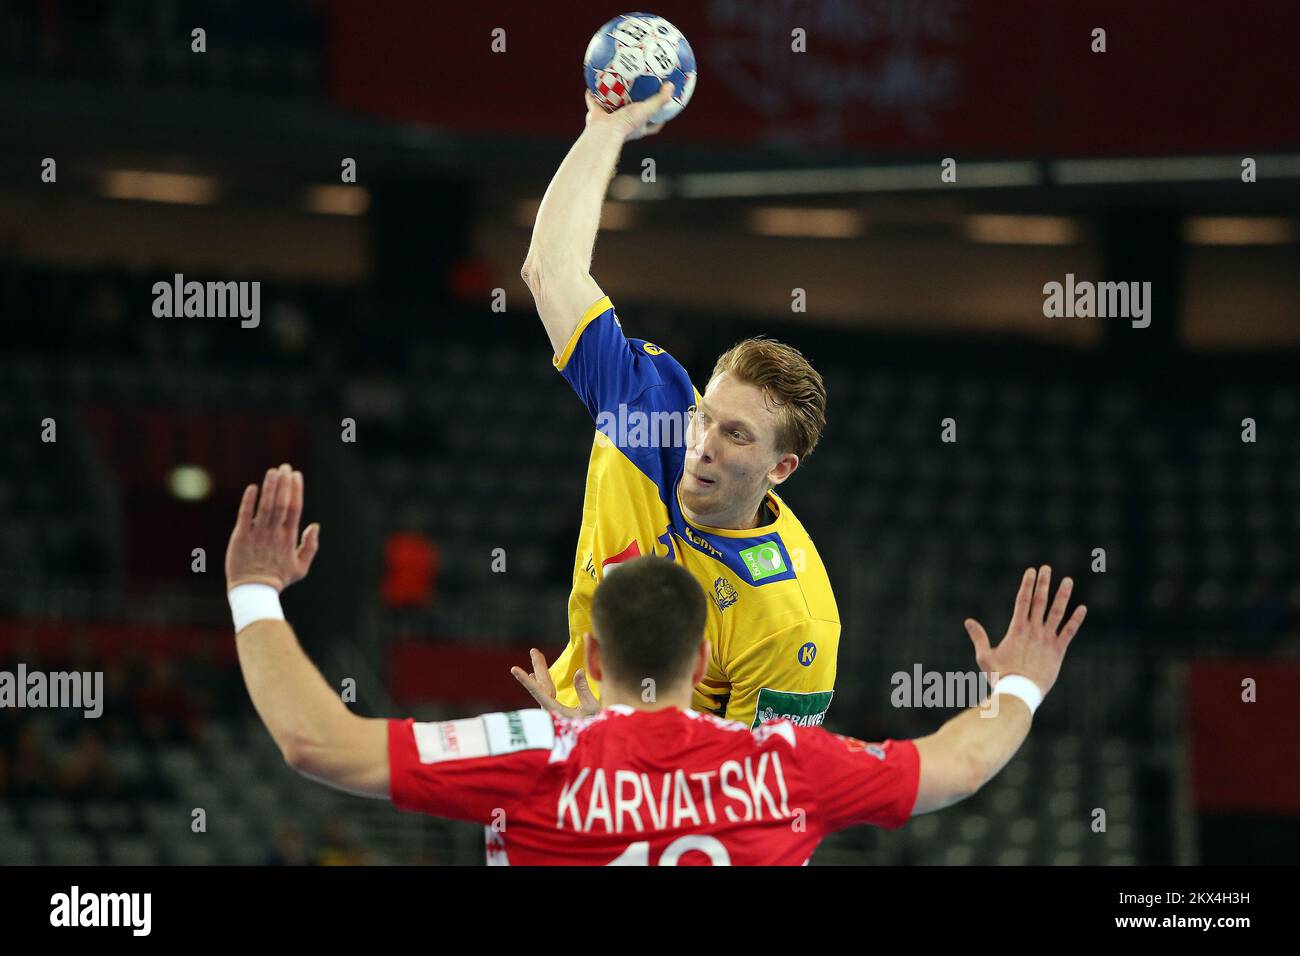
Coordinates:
column 631, row 55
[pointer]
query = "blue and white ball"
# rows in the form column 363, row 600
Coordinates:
column 631, row 55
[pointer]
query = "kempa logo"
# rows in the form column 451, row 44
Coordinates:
column 763, row 561
column 75, row 689
column 637, row 429
column 1105, row 300
column 103, row 909
column 947, row 689
column 701, row 542
column 208, row 300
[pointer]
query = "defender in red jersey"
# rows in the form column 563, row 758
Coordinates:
column 663, row 787
column 647, row 781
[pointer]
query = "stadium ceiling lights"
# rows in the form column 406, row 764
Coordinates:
column 1092, row 172
column 1239, row 231
column 807, row 223
column 337, row 200
column 159, row 187
column 1021, row 230
column 806, row 182
column 925, row 176
column 631, row 187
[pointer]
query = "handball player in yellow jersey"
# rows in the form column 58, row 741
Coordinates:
column 683, row 475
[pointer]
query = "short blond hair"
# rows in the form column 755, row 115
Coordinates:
column 788, row 382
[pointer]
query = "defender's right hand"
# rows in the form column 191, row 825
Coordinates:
column 1032, row 646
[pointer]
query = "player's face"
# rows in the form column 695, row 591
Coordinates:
column 731, row 455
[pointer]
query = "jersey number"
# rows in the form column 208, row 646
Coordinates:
column 638, row 854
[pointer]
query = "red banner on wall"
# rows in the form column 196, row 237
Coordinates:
column 1245, row 755
column 458, row 674
column 995, row 78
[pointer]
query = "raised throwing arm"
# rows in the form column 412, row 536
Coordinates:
column 557, row 268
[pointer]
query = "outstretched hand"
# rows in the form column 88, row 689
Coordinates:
column 540, row 685
column 264, row 547
column 1035, row 642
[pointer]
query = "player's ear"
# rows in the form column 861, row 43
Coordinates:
column 701, row 663
column 592, row 648
column 784, row 468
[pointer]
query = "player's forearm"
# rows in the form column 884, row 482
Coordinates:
column 568, row 218
column 987, row 740
column 295, row 703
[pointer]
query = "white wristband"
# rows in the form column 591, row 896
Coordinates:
column 254, row 602
column 1022, row 687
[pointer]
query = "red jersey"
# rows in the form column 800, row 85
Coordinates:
column 659, row 788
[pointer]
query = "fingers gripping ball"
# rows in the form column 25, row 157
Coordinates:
column 632, row 55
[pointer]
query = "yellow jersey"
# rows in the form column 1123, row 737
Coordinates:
column 773, row 626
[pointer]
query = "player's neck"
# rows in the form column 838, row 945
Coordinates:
column 754, row 518
column 635, row 700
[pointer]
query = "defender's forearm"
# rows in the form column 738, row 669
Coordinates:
column 564, row 232
column 989, row 739
column 290, row 695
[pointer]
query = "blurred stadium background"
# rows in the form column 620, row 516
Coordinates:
column 818, row 172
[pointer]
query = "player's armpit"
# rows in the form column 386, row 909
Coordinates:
column 351, row 756
column 563, row 296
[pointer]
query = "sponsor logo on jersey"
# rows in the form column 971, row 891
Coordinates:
column 808, row 654
column 488, row 735
column 853, row 743
column 506, row 733
column 702, row 543
column 802, row 710
column 652, row 349
column 763, row 560
column 450, row 740
column 724, row 594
